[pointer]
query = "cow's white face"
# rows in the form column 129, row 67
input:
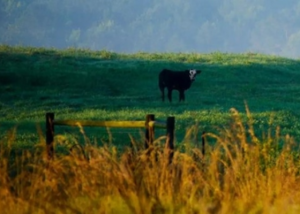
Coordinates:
column 193, row 74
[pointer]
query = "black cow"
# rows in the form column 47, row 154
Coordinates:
column 176, row 80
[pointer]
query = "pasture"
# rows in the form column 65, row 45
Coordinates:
column 100, row 85
column 264, row 91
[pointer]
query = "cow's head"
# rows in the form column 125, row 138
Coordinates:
column 193, row 73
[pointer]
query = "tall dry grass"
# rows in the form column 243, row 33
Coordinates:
column 240, row 173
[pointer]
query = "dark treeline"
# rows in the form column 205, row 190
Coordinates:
column 265, row 26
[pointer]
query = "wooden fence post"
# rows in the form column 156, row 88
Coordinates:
column 50, row 135
column 203, row 143
column 170, row 136
column 149, row 133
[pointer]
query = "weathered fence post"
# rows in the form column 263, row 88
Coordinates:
column 203, row 143
column 50, row 135
column 149, row 133
column 170, row 137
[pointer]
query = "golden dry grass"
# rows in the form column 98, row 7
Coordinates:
column 241, row 173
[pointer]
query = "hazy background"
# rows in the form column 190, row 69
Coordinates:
column 264, row 26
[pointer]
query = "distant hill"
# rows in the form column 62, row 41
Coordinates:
column 130, row 26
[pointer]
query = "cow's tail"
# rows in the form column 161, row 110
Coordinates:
column 161, row 80
column 162, row 83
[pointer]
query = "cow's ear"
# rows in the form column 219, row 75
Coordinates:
column 198, row 71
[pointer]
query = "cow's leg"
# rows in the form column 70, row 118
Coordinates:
column 170, row 94
column 181, row 95
column 163, row 94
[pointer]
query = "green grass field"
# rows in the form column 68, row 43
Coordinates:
column 101, row 85
column 248, row 104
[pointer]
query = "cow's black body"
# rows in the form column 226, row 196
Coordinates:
column 175, row 80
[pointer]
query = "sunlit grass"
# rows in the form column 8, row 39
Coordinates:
column 241, row 173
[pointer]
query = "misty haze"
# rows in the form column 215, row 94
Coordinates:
column 203, row 26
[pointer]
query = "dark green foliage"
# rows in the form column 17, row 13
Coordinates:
column 154, row 26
